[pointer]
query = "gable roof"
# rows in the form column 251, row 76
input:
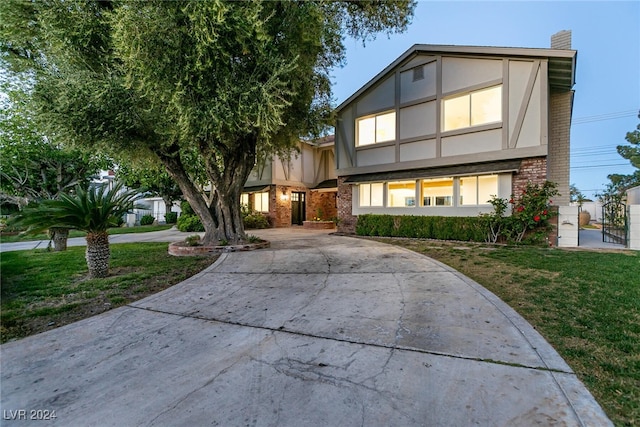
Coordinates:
column 562, row 62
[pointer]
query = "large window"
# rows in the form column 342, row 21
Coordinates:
column 401, row 194
column 437, row 192
column 371, row 194
column 473, row 109
column 261, row 201
column 376, row 129
column 477, row 190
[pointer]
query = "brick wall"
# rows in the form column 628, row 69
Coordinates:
column 560, row 104
column 279, row 209
column 348, row 221
column 323, row 201
column 532, row 170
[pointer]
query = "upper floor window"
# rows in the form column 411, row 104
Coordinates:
column 374, row 129
column 472, row 109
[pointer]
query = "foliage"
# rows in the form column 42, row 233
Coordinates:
column 528, row 223
column 205, row 88
column 193, row 240
column 147, row 219
column 619, row 183
column 426, row 227
column 189, row 223
column 576, row 195
column 255, row 220
column 495, row 221
column 171, row 217
column 32, row 166
column 92, row 210
column 151, row 178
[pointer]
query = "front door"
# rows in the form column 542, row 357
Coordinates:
column 298, row 211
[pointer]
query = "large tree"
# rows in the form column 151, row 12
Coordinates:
column 620, row 183
column 206, row 87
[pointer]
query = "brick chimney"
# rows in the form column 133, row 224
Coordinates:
column 561, row 40
column 560, row 110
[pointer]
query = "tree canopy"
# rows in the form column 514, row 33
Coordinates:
column 205, row 87
column 33, row 166
column 620, row 183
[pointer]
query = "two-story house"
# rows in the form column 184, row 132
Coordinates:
column 290, row 191
column 444, row 128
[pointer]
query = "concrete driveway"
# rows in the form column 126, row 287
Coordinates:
column 318, row 330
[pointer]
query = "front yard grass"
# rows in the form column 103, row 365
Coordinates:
column 11, row 238
column 585, row 303
column 42, row 290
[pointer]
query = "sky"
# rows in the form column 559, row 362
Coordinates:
column 606, row 35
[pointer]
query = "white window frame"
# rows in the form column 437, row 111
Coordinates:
column 471, row 108
column 365, row 194
column 376, row 137
column 260, row 200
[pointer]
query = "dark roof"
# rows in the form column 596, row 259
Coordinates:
column 457, row 170
column 329, row 183
column 562, row 62
column 255, row 189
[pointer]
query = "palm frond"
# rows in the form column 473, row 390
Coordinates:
column 92, row 210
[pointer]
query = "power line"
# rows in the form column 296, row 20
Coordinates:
column 598, row 166
column 605, row 116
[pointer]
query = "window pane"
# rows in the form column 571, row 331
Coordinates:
column 376, row 194
column 437, row 192
column 366, row 131
column 486, row 106
column 402, row 194
column 365, row 194
column 456, row 112
column 487, row 187
column 244, row 199
column 265, row 201
column 386, row 127
column 468, row 187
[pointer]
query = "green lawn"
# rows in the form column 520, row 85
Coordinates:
column 585, row 303
column 41, row 290
column 75, row 233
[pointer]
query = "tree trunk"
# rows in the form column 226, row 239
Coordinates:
column 59, row 237
column 98, row 254
column 221, row 215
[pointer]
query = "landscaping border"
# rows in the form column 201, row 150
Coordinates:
column 181, row 249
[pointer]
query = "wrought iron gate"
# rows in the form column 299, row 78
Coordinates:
column 614, row 223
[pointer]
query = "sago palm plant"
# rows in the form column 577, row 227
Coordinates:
column 92, row 211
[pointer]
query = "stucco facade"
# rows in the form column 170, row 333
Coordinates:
column 290, row 191
column 443, row 128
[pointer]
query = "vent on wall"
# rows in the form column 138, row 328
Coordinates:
column 418, row 73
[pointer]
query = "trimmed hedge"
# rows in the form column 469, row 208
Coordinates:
column 425, row 227
column 147, row 220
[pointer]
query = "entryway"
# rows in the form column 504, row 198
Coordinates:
column 298, row 207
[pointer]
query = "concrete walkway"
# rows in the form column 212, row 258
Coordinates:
column 592, row 238
column 318, row 330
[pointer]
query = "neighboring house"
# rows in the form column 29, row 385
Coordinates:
column 443, row 128
column 291, row 191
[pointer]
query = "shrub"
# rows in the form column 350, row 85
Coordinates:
column 254, row 220
column 426, row 227
column 171, row 217
column 193, row 240
column 147, row 220
column 189, row 223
